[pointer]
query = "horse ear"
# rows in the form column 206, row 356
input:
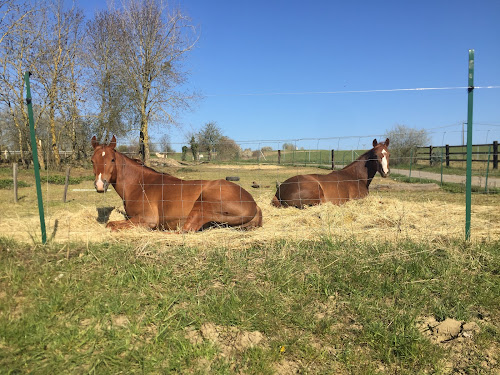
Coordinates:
column 375, row 142
column 112, row 144
column 387, row 142
column 94, row 142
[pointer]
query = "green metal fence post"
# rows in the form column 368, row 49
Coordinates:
column 35, row 157
column 468, row 181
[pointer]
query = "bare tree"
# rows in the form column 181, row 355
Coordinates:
column 404, row 142
column 72, row 118
column 106, row 87
column 165, row 144
column 17, row 56
column 59, row 45
column 154, row 40
column 209, row 137
column 12, row 16
column 227, row 149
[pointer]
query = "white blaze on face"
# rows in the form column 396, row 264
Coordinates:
column 103, row 153
column 384, row 162
column 99, row 184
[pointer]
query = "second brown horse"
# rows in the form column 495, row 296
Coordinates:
column 351, row 182
column 160, row 201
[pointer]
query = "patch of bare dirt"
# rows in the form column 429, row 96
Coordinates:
column 230, row 340
column 120, row 321
column 243, row 166
column 405, row 187
column 447, row 330
column 458, row 337
column 286, row 367
column 165, row 163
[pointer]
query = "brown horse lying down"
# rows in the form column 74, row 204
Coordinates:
column 351, row 182
column 160, row 201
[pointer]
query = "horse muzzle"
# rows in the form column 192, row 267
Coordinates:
column 384, row 174
column 101, row 186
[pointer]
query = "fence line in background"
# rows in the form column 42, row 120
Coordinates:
column 433, row 153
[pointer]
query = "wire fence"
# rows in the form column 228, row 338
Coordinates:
column 418, row 201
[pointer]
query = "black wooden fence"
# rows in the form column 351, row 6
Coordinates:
column 432, row 154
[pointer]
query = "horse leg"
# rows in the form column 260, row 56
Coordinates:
column 309, row 195
column 255, row 222
column 275, row 201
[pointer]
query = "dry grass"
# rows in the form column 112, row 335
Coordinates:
column 383, row 216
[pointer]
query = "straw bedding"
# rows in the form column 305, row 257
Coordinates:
column 377, row 217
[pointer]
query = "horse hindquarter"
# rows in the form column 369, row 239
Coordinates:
column 226, row 203
column 299, row 191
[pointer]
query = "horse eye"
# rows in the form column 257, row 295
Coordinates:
column 112, row 160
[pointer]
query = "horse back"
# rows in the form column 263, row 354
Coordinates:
column 341, row 186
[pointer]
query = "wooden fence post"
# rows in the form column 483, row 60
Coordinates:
column 14, row 179
column 430, row 155
column 66, row 183
column 279, row 156
column 447, row 155
column 333, row 160
column 495, row 154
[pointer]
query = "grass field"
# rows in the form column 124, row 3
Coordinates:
column 456, row 168
column 297, row 157
column 344, row 157
column 310, row 307
column 381, row 285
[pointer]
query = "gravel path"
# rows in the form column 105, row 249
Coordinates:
column 476, row 180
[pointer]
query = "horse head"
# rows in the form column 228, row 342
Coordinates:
column 381, row 154
column 104, row 164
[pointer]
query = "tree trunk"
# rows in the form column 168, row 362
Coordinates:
column 144, row 144
column 74, row 144
column 144, row 136
column 21, row 148
column 55, row 150
column 39, row 149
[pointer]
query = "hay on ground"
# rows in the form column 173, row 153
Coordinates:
column 374, row 218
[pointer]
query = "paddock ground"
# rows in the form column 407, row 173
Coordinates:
column 384, row 284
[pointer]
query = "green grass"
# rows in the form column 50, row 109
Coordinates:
column 445, row 186
column 77, row 176
column 288, row 157
column 456, row 168
column 344, row 157
column 306, row 157
column 51, row 179
column 9, row 184
column 61, row 179
column 323, row 307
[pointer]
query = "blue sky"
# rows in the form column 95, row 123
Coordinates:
column 263, row 67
